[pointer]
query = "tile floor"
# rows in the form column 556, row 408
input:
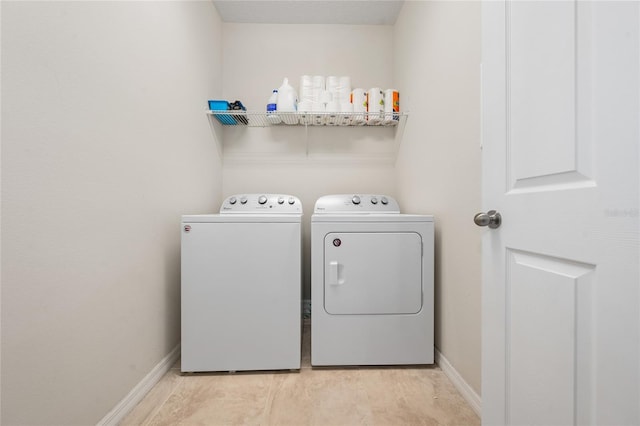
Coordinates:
column 318, row 396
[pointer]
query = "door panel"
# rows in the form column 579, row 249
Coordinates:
column 541, row 84
column 549, row 315
column 548, row 75
column 373, row 273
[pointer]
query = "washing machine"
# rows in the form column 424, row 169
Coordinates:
column 371, row 283
column 241, row 285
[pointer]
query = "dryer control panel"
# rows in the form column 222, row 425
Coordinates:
column 356, row 203
column 261, row 203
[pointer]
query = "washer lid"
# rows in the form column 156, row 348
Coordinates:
column 242, row 218
column 356, row 203
column 261, row 204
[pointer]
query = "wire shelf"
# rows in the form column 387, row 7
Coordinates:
column 344, row 119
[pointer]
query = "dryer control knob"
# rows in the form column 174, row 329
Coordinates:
column 243, row 200
column 355, row 200
column 291, row 200
column 384, row 200
column 374, row 200
column 280, row 200
column 232, row 200
column 262, row 199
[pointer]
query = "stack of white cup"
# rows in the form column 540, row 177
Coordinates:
column 339, row 87
column 342, row 93
column 311, row 87
column 329, row 96
column 330, row 100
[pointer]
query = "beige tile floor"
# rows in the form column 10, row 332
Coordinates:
column 312, row 396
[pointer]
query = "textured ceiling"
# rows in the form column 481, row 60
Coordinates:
column 353, row 12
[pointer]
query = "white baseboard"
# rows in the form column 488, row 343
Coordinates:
column 463, row 387
column 124, row 407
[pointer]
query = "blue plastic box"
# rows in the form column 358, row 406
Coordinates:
column 216, row 105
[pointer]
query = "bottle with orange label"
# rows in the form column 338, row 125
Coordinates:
column 391, row 107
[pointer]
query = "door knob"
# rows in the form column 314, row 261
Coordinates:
column 492, row 219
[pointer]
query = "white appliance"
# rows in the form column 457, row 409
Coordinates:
column 371, row 283
column 241, row 285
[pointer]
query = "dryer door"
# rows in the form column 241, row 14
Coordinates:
column 372, row 273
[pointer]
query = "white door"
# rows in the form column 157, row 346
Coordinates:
column 561, row 317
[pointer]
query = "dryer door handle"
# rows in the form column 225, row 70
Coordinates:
column 334, row 273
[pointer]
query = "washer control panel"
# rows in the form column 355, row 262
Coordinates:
column 356, row 203
column 262, row 203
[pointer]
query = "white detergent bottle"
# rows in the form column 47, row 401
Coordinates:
column 272, row 107
column 287, row 103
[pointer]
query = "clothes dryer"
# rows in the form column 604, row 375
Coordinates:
column 241, row 285
column 371, row 283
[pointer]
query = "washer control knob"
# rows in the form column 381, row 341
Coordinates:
column 374, row 200
column 291, row 200
column 233, row 200
column 355, row 200
column 262, row 199
column 280, row 200
column 243, row 200
column 384, row 200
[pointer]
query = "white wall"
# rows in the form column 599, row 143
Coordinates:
column 437, row 69
column 104, row 144
column 256, row 58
